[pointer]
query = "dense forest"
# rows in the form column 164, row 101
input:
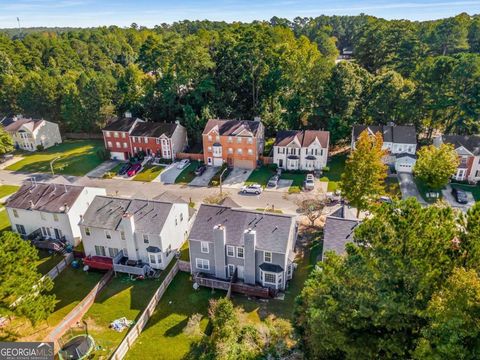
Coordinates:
column 422, row 73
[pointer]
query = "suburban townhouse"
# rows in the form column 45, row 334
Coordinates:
column 31, row 134
column 238, row 143
column 50, row 211
column 338, row 230
column 301, row 149
column 133, row 235
column 399, row 141
column 468, row 150
column 159, row 139
column 257, row 248
column 127, row 136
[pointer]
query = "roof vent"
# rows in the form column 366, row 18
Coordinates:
column 128, row 114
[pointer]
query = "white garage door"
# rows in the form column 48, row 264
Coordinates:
column 117, row 156
column 217, row 161
column 404, row 165
column 244, row 164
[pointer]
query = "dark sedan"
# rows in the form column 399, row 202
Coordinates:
column 124, row 169
column 460, row 196
column 200, row 170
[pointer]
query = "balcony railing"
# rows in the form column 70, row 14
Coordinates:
column 123, row 264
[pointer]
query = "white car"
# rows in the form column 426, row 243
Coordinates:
column 309, row 182
column 252, row 189
column 182, row 164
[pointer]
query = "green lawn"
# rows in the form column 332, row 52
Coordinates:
column 47, row 261
column 4, row 222
column 474, row 189
column 260, row 176
column 298, row 180
column 187, row 174
column 163, row 337
column 149, row 173
column 336, row 166
column 6, row 190
column 423, row 189
column 76, row 158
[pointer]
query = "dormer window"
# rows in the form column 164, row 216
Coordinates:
column 146, row 240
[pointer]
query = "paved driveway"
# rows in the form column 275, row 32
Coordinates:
column 282, row 186
column 447, row 195
column 204, row 179
column 236, row 178
column 170, row 174
column 409, row 188
column 101, row 169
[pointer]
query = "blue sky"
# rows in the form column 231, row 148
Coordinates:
column 86, row 13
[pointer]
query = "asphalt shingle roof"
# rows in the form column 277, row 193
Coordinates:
column 232, row 127
column 53, row 198
column 338, row 231
column 273, row 230
column 471, row 143
column 122, row 124
column 401, row 134
column 154, row 129
column 304, row 137
column 16, row 124
column 106, row 213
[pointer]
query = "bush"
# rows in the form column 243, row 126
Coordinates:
column 215, row 181
column 109, row 175
column 40, row 147
column 103, row 154
column 326, row 169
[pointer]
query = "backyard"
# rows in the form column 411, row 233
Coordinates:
column 75, row 158
column 47, row 261
column 5, row 190
column 188, row 174
column 336, row 165
column 149, row 173
column 70, row 287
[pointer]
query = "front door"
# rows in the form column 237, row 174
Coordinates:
column 280, row 163
column 240, row 272
column 231, row 270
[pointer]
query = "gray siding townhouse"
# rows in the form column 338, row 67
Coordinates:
column 258, row 247
column 338, row 230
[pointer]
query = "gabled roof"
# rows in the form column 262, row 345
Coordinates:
column 469, row 142
column 232, row 127
column 154, row 129
column 401, row 134
column 7, row 121
column 338, row 230
column 304, row 137
column 29, row 124
column 106, row 213
column 123, row 124
column 273, row 230
column 53, row 198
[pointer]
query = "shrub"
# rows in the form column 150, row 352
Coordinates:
column 103, row 154
column 215, row 181
column 40, row 147
column 326, row 169
column 109, row 175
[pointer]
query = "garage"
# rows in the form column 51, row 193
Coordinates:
column 114, row 155
column 405, row 163
column 217, row 161
column 244, row 164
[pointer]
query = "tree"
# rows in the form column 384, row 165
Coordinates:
column 365, row 173
column 311, row 208
column 436, row 165
column 381, row 298
column 6, row 142
column 22, row 292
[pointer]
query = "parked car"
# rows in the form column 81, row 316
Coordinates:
column 309, row 182
column 183, row 164
column 134, row 170
column 200, row 170
column 460, row 196
column 6, row 157
column 252, row 189
column 123, row 170
column 273, row 182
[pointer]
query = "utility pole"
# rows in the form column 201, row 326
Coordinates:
column 51, row 164
column 223, row 172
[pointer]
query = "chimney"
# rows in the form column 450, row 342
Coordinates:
column 257, row 118
column 31, row 204
column 128, row 226
column 219, row 240
column 177, row 122
column 249, row 242
column 66, row 208
column 128, row 114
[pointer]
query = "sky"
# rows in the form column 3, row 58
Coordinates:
column 88, row 13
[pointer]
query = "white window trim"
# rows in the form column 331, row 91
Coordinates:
column 265, row 258
column 230, row 247
column 267, row 282
column 243, row 252
column 108, row 235
column 205, row 264
column 202, row 243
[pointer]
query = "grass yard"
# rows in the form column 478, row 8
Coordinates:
column 6, row 190
column 474, row 189
column 423, row 189
column 184, row 252
column 297, row 184
column 76, row 158
column 149, row 173
column 336, row 166
column 70, row 287
column 4, row 222
column 47, row 261
column 163, row 338
column 188, row 174
column 260, row 176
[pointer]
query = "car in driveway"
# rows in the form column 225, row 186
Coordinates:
column 123, row 170
column 273, row 182
column 460, row 196
column 252, row 189
column 309, row 182
column 200, row 170
column 182, row 164
column 134, row 170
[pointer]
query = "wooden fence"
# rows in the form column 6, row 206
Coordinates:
column 190, row 156
column 184, row 266
column 266, row 160
column 57, row 269
column 78, row 311
column 136, row 330
column 83, row 136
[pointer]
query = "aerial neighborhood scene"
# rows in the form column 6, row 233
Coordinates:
column 239, row 180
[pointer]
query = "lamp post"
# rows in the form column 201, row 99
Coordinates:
column 221, row 180
column 51, row 164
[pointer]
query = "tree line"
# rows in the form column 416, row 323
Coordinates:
column 422, row 73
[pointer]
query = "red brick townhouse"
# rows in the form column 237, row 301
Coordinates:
column 239, row 143
column 127, row 136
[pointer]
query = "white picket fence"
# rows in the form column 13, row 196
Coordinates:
column 135, row 331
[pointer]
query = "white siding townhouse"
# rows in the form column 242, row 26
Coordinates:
column 28, row 134
column 399, row 141
column 136, row 234
column 52, row 210
column 301, row 149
